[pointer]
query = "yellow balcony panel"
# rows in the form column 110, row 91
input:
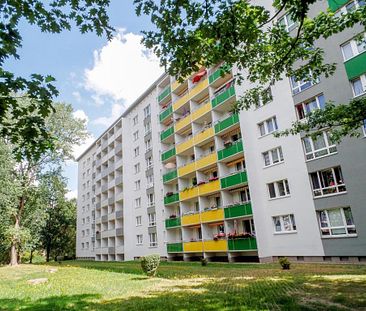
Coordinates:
column 203, row 136
column 180, row 102
column 206, row 161
column 188, row 220
column 210, row 187
column 213, row 215
column 184, row 146
column 189, row 194
column 182, row 123
column 201, row 111
column 198, row 88
column 193, row 247
column 215, row 246
column 175, row 84
column 187, row 169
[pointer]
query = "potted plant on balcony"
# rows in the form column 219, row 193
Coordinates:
column 168, row 194
column 213, row 178
column 227, row 143
column 201, row 183
column 173, row 216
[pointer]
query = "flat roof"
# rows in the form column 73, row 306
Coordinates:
column 125, row 113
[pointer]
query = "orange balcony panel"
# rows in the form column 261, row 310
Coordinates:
column 193, row 247
column 188, row 220
column 215, row 246
column 212, row 216
column 189, row 194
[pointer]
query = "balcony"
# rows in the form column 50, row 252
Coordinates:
column 174, row 247
column 244, row 244
column 187, row 169
column 167, row 133
column 171, row 199
column 193, row 247
column 170, row 176
column 234, row 180
column 164, row 94
column 227, row 124
column 189, row 193
column 206, row 161
column 228, row 153
column 172, row 222
column 192, row 219
column 203, row 136
column 181, row 101
column 197, row 89
column 163, row 117
column 356, row 66
column 218, row 76
column 185, row 145
column 168, row 154
column 212, row 215
column 224, row 99
column 203, row 189
column 215, row 246
column 238, row 210
column 183, row 123
column 201, row 111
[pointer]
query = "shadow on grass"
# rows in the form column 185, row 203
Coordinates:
column 225, row 294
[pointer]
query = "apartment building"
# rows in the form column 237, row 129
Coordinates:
column 198, row 180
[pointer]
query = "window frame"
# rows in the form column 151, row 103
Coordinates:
column 282, row 224
column 265, row 124
column 328, row 228
column 330, row 148
column 139, row 239
column 362, row 79
column 279, row 153
column 320, row 181
column 305, row 104
column 277, row 190
column 138, row 221
column 153, row 242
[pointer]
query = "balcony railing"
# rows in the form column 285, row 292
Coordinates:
column 234, row 179
column 170, row 176
column 164, row 93
column 172, row 222
column 174, row 247
column 238, row 210
column 170, row 199
column 243, row 244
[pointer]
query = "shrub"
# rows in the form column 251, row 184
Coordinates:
column 285, row 263
column 150, row 264
column 204, row 262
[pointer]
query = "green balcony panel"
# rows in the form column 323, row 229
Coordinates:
column 219, row 99
column 245, row 244
column 168, row 154
column 226, row 123
column 230, row 151
column 164, row 93
column 174, row 247
column 170, row 176
column 218, row 73
column 166, row 113
column 234, row 180
column 172, row 222
column 356, row 66
column 171, row 198
column 165, row 134
column 334, row 5
column 238, row 210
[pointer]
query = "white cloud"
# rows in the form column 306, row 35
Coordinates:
column 72, row 194
column 116, row 112
column 78, row 150
column 77, row 96
column 122, row 69
column 80, row 114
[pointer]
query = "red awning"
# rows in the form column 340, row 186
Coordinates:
column 198, row 76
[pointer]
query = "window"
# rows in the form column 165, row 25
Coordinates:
column 136, row 135
column 337, row 222
column 278, row 189
column 264, row 98
column 82, row 233
column 244, row 195
column 327, row 182
column 148, row 144
column 83, row 221
column 150, row 181
column 299, row 86
column 137, row 168
column 287, row 22
column 240, row 166
column 149, row 162
column 84, row 175
column 354, row 47
column 137, row 202
column 87, row 219
column 150, row 199
column 138, row 221
column 359, row 85
column 285, row 223
column 364, row 127
column 136, row 151
column 87, row 232
column 147, row 127
column 152, row 219
column 153, row 239
column 272, row 156
column 137, row 185
column 268, row 126
column 351, row 6
column 82, row 245
column 139, row 239
column 319, row 147
column 303, row 109
column 147, row 111
column 135, row 119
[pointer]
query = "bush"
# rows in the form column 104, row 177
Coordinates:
column 285, row 263
column 204, row 262
column 150, row 264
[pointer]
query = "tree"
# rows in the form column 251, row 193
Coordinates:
column 191, row 33
column 28, row 170
column 18, row 123
column 58, row 233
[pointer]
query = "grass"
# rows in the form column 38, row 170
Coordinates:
column 79, row 285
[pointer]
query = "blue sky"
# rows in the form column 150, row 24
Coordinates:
column 99, row 78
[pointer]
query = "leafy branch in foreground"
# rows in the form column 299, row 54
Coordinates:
column 342, row 120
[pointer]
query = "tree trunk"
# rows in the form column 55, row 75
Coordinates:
column 14, row 245
column 48, row 251
column 31, row 256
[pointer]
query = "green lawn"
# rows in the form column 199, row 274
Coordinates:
column 184, row 286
